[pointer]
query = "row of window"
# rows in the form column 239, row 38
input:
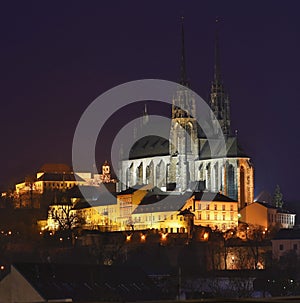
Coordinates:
column 215, row 217
column 210, row 206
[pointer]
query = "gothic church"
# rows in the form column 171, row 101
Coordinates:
column 175, row 164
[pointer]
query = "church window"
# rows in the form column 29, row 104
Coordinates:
column 188, row 135
column 242, row 185
column 139, row 174
column 216, row 178
column 207, row 217
column 171, row 217
column 199, row 216
column 207, row 206
column 231, row 207
column 230, row 182
column 223, row 207
column 208, row 173
column 215, row 207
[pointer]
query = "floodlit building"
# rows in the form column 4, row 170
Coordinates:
column 266, row 216
column 186, row 157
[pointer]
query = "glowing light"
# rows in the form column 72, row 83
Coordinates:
column 9, row 232
column 164, row 237
column 60, row 239
column 205, row 236
column 2, row 267
column 143, row 237
column 128, row 238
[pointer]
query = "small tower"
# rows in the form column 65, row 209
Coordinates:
column 219, row 100
column 105, row 177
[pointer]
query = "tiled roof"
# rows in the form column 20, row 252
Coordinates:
column 153, row 202
column 59, row 177
column 211, row 196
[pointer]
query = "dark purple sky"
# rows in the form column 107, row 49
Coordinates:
column 57, row 57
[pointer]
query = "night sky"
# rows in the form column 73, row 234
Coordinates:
column 58, row 56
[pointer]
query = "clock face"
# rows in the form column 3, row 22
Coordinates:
column 106, row 169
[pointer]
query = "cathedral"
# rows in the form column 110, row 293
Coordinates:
column 177, row 164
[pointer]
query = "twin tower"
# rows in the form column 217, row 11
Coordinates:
column 185, row 161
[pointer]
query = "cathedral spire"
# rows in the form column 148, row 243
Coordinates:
column 219, row 100
column 217, row 69
column 183, row 79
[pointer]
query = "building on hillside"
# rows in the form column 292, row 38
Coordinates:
column 266, row 216
column 183, row 159
column 49, row 177
column 214, row 210
column 144, row 208
column 286, row 241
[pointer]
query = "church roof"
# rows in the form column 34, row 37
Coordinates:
column 232, row 147
column 149, row 146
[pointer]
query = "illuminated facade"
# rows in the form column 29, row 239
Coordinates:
column 185, row 158
column 266, row 216
column 150, row 208
column 50, row 177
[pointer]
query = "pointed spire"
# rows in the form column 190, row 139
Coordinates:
column 183, row 79
column 217, row 69
column 145, row 115
column 219, row 100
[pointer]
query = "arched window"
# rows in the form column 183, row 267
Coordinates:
column 216, row 177
column 160, row 174
column 150, row 173
column 139, row 174
column 230, row 182
column 130, row 176
column 200, row 173
column 189, row 128
column 208, row 176
column 242, row 186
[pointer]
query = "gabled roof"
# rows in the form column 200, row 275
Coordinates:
column 60, row 177
column 88, row 282
column 55, row 168
column 162, row 202
column 211, row 196
column 149, row 146
column 267, row 205
column 130, row 190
